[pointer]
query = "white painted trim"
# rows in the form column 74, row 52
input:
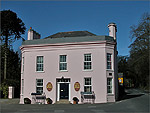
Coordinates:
column 112, row 86
column 69, row 92
column 40, row 71
column 63, row 70
column 58, row 90
column 87, row 70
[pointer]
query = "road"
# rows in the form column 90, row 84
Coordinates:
column 136, row 101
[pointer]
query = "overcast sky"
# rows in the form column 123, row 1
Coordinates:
column 50, row 17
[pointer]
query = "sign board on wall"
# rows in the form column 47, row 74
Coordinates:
column 120, row 80
column 49, row 86
column 77, row 86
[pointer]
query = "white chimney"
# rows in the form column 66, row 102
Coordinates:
column 112, row 30
column 33, row 34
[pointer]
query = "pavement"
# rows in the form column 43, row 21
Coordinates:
column 9, row 101
column 135, row 101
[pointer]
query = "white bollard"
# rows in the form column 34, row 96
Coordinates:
column 11, row 92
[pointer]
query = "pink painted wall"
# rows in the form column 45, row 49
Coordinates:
column 75, row 59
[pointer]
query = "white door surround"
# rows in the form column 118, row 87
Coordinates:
column 58, row 82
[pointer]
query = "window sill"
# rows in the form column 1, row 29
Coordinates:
column 109, row 70
column 63, row 70
column 110, row 94
column 40, row 71
column 88, row 70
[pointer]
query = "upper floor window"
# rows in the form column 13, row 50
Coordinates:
column 39, row 63
column 109, row 61
column 63, row 62
column 39, row 85
column 109, row 85
column 23, row 64
column 87, row 85
column 87, row 62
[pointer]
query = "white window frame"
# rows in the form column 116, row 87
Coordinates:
column 22, row 64
column 63, row 63
column 39, row 63
column 89, row 85
column 39, row 86
column 110, row 86
column 87, row 61
column 109, row 61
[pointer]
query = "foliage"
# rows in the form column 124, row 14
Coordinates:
column 139, row 52
column 10, row 82
column 75, row 99
column 123, row 65
column 13, row 72
column 27, row 101
column 4, row 89
column 49, row 101
column 13, row 65
column 11, row 26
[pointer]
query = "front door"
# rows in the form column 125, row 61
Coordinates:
column 64, row 90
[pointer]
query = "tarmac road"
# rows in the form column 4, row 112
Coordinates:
column 136, row 101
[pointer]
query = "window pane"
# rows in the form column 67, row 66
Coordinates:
column 23, row 64
column 39, row 65
column 62, row 58
column 62, row 63
column 109, row 85
column 108, row 65
column 87, row 88
column 87, row 85
column 87, row 61
column 109, row 89
column 39, row 90
column 63, row 66
column 39, row 86
column 108, row 57
column 109, row 61
column 87, row 65
column 87, row 57
column 39, row 59
column 87, row 81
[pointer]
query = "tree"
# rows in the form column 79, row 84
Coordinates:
column 12, row 28
column 13, row 72
column 123, row 65
column 139, row 52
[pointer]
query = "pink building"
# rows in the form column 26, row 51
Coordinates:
column 70, row 64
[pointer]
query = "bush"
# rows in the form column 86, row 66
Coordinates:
column 27, row 101
column 9, row 82
column 49, row 101
column 4, row 89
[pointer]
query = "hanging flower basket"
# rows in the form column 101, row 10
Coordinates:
column 75, row 100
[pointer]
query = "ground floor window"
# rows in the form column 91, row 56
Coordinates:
column 22, row 85
column 109, row 85
column 39, row 85
column 87, row 85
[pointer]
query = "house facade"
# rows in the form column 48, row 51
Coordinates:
column 70, row 64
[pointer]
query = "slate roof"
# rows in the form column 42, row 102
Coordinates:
column 68, row 40
column 71, row 34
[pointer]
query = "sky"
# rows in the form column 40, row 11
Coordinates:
column 50, row 17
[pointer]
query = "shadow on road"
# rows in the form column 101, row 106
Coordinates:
column 129, row 96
